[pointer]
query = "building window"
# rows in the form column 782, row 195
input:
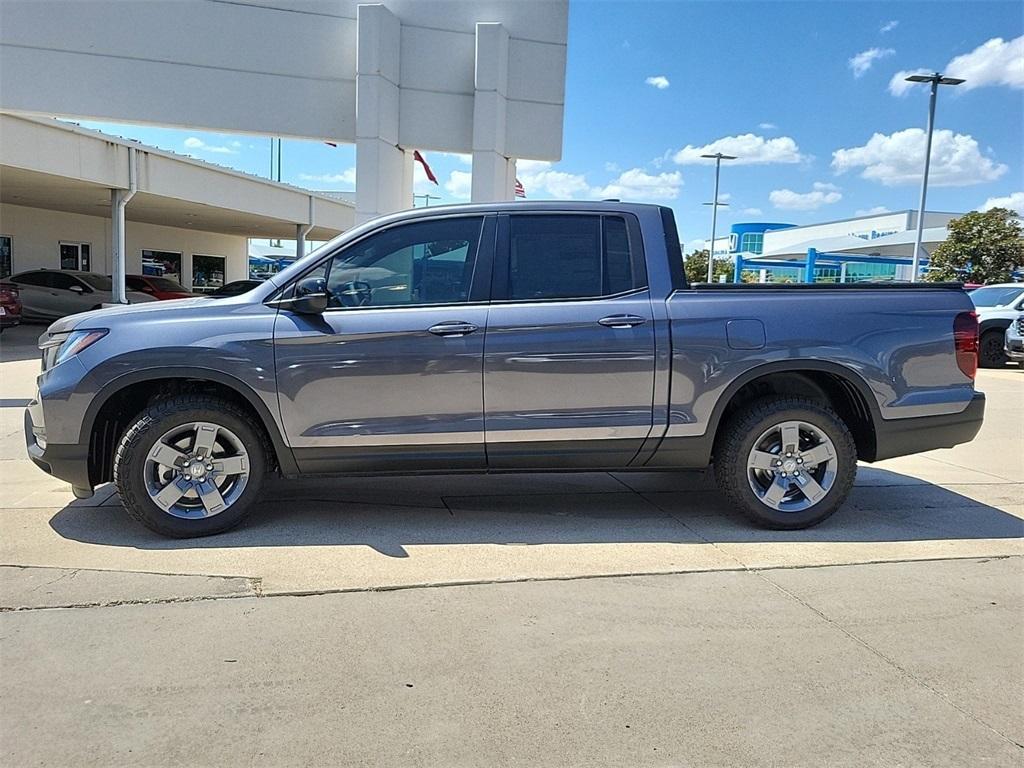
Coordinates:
column 75, row 256
column 207, row 273
column 162, row 264
column 752, row 242
column 5, row 255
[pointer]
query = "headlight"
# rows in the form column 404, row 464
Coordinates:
column 60, row 346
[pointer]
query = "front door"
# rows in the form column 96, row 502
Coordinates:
column 569, row 354
column 390, row 376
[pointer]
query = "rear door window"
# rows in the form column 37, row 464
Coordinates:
column 570, row 257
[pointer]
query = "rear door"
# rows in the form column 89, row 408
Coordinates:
column 390, row 376
column 569, row 356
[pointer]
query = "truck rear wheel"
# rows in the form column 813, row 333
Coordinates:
column 786, row 462
column 190, row 466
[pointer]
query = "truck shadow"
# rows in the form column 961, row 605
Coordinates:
column 389, row 514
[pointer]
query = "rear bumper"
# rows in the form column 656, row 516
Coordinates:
column 901, row 437
column 65, row 462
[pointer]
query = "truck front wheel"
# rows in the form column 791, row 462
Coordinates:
column 191, row 465
column 786, row 462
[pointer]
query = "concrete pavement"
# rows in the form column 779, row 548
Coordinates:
column 903, row 664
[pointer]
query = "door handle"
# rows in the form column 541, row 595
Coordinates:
column 452, row 328
column 621, row 321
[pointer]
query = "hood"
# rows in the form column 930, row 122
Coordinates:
column 98, row 317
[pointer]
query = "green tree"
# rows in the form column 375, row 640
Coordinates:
column 696, row 267
column 982, row 247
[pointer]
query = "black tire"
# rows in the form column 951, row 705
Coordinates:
column 737, row 438
column 154, row 422
column 990, row 349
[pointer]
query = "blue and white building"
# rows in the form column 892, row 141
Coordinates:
column 875, row 247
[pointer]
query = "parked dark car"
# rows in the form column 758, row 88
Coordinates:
column 235, row 288
column 504, row 337
column 49, row 294
column 10, row 306
column 160, row 288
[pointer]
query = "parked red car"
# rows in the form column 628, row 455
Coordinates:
column 10, row 306
column 160, row 288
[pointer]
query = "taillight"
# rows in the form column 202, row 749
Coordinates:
column 965, row 339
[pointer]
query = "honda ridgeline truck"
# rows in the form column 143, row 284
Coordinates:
column 503, row 337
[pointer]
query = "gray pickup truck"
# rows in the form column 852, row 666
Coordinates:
column 503, row 337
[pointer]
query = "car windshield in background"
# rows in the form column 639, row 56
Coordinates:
column 994, row 296
column 166, row 284
column 97, row 282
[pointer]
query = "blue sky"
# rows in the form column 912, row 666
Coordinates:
column 808, row 94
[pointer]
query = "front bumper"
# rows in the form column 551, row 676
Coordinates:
column 901, row 437
column 1014, row 349
column 63, row 461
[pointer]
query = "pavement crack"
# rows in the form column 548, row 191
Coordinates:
column 885, row 658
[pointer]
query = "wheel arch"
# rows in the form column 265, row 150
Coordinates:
column 837, row 386
column 106, row 417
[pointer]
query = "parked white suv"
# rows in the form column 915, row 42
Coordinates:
column 997, row 306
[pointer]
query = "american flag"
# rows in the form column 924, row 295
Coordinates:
column 520, row 192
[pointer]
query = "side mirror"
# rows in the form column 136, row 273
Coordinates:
column 76, row 288
column 310, row 297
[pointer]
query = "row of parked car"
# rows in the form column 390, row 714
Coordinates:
column 45, row 295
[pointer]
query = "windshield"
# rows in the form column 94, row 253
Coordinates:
column 97, row 282
column 995, row 296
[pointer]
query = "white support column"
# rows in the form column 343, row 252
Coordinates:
column 380, row 163
column 118, row 200
column 493, row 171
column 301, row 230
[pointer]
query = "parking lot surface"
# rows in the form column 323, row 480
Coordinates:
column 541, row 619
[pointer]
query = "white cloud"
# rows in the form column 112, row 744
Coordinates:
column 346, row 178
column 749, row 149
column 464, row 159
column 540, row 179
column 612, row 168
column 767, row 126
column 863, row 61
column 198, row 145
column 821, row 194
column 658, row 81
column 459, row 184
column 1014, row 201
column 637, row 184
column 752, row 211
column 889, row 26
column 995, row 62
column 899, row 159
column 874, row 211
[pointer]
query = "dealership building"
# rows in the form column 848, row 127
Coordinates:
column 875, row 247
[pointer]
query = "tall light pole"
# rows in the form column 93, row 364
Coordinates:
column 936, row 79
column 718, row 157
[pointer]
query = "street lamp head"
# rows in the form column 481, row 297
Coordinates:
column 720, row 204
column 936, row 78
column 718, row 156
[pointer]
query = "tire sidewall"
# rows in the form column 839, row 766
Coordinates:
column 753, row 427
column 154, row 423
